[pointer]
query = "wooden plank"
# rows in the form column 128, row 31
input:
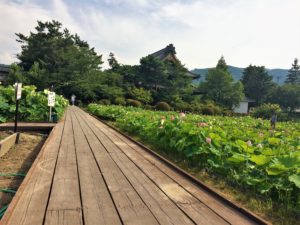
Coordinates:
column 130, row 206
column 65, row 203
column 98, row 207
column 7, row 143
column 165, row 211
column 224, row 210
column 195, row 209
column 29, row 204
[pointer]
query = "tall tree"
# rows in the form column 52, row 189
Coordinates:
column 113, row 62
column 222, row 65
column 293, row 76
column 257, row 83
column 153, row 72
column 56, row 57
column 220, row 87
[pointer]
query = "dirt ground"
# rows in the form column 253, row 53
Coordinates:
column 18, row 160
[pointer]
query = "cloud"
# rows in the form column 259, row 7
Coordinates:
column 261, row 32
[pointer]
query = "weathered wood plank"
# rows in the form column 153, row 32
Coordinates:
column 195, row 209
column 165, row 211
column 98, row 207
column 130, row 206
column 65, row 192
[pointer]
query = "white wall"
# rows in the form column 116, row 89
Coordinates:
column 241, row 108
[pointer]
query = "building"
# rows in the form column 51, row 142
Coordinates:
column 244, row 106
column 4, row 71
column 169, row 53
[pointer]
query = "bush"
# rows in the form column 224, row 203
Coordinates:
column 163, row 106
column 206, row 110
column 266, row 110
column 134, row 103
column 120, row 101
column 211, row 108
column 148, row 107
column 104, row 102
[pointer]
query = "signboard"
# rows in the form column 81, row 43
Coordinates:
column 51, row 99
column 18, row 91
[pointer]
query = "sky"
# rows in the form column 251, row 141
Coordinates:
column 257, row 32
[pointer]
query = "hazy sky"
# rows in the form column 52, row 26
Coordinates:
column 259, row 32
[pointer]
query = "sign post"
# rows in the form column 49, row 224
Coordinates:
column 51, row 103
column 18, row 94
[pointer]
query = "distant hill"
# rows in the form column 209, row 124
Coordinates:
column 279, row 75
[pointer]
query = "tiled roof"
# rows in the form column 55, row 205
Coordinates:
column 170, row 49
column 4, row 68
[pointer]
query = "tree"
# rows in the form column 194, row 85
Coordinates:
column 220, row 87
column 141, row 95
column 113, row 62
column 16, row 75
column 53, row 56
column 152, row 72
column 287, row 96
column 257, row 83
column 293, row 76
column 222, row 65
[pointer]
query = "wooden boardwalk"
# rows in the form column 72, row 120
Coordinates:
column 87, row 173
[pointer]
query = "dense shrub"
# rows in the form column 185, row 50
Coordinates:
column 266, row 110
column 104, row 102
column 141, row 95
column 134, row 103
column 148, row 107
column 206, row 110
column 163, row 106
column 33, row 105
column 120, row 101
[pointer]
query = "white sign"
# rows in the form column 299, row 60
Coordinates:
column 51, row 98
column 18, row 90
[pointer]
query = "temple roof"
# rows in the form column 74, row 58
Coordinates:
column 4, row 68
column 169, row 53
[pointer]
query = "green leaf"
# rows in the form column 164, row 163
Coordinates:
column 276, row 169
column 295, row 178
column 260, row 159
column 274, row 141
column 237, row 158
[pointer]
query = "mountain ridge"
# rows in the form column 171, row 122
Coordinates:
column 279, row 75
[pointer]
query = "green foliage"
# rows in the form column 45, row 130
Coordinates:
column 32, row 106
column 120, row 101
column 220, row 87
column 104, row 102
column 141, row 95
column 134, row 103
column 287, row 96
column 241, row 149
column 222, row 65
column 53, row 56
column 293, row 76
column 257, row 83
column 152, row 72
column 163, row 106
column 16, row 75
column 266, row 110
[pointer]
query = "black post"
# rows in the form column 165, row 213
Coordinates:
column 16, row 116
